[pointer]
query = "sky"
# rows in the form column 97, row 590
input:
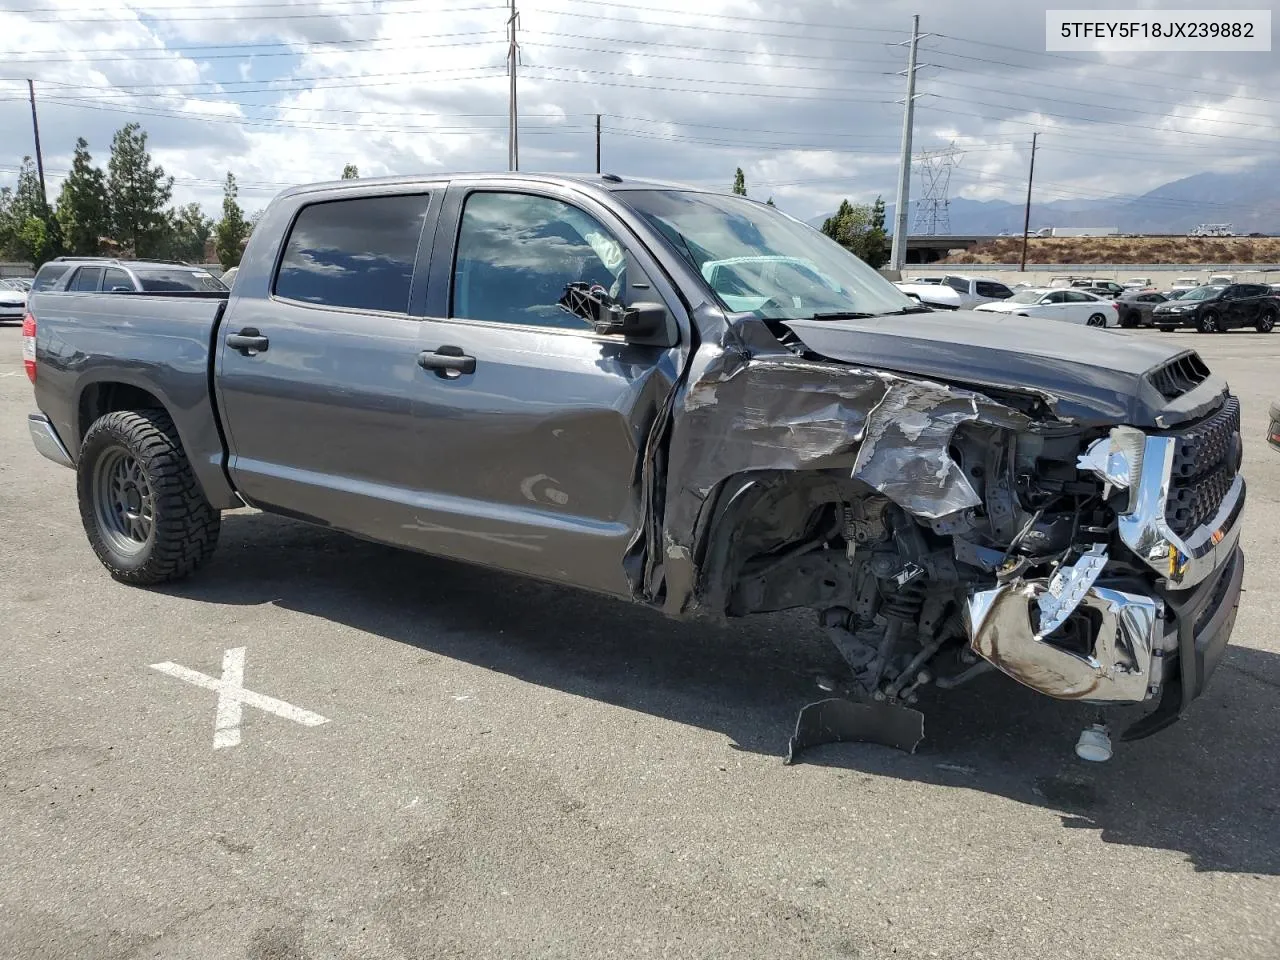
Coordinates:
column 804, row 95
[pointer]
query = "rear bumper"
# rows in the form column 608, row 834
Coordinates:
column 47, row 441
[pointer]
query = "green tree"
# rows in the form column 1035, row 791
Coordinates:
column 350, row 172
column 189, row 230
column 860, row 229
column 740, row 183
column 83, row 212
column 29, row 231
column 232, row 230
column 138, row 193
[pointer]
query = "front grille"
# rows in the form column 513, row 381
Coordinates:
column 1205, row 464
column 1180, row 375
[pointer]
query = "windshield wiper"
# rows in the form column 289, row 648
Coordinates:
column 851, row 315
column 918, row 309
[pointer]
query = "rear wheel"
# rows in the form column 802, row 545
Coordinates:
column 1097, row 320
column 146, row 517
column 1266, row 321
column 1209, row 322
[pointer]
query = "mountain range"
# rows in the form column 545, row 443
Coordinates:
column 1249, row 200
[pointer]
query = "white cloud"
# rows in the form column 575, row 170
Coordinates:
column 800, row 95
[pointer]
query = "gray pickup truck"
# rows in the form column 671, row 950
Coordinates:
column 678, row 398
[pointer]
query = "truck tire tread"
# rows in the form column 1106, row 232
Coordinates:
column 186, row 525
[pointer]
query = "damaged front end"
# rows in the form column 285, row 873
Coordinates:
column 942, row 531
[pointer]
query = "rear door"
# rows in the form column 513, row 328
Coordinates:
column 1081, row 306
column 1245, row 303
column 318, row 382
column 536, row 439
column 1053, row 306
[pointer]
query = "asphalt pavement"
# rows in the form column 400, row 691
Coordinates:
column 440, row 761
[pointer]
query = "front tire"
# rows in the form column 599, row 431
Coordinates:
column 1209, row 322
column 1097, row 320
column 144, row 513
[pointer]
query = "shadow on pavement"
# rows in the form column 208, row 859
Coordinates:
column 1208, row 787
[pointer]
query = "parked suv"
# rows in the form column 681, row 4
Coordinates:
column 1212, row 309
column 137, row 276
column 50, row 273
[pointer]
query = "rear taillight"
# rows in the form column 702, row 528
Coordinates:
column 29, row 346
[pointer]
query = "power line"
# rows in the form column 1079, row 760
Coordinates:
column 316, row 46
column 264, row 18
column 1128, row 83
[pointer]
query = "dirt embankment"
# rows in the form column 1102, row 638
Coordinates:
column 1207, row 250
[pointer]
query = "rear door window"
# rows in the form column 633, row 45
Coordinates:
column 86, row 279
column 115, row 277
column 355, row 253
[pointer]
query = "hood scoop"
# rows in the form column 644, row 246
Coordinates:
column 1180, row 375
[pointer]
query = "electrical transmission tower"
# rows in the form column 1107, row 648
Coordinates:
column 933, row 209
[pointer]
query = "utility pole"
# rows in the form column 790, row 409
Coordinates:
column 35, row 126
column 1026, row 220
column 597, row 143
column 898, row 253
column 513, row 58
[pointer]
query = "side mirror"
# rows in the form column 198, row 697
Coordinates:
column 608, row 316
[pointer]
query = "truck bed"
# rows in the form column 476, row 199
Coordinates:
column 90, row 344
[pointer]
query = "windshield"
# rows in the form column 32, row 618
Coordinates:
column 755, row 259
column 178, row 279
column 1201, row 293
column 1026, row 296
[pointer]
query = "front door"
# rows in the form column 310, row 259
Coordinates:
column 535, row 439
column 318, row 376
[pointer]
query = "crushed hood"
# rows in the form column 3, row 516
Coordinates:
column 1084, row 374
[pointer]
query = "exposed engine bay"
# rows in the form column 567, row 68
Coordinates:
column 954, row 533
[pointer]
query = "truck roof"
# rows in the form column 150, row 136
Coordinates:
column 609, row 182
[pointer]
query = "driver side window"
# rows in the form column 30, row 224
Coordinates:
column 517, row 253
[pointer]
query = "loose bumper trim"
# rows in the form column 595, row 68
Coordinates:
column 46, row 439
column 1121, row 665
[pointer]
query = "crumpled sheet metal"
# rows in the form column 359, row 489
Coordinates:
column 778, row 411
column 904, row 453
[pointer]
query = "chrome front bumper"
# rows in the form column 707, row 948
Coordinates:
column 1124, row 662
column 1144, row 530
column 46, row 439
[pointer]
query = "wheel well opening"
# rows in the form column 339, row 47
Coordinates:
column 99, row 399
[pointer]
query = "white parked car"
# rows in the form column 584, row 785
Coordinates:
column 1225, row 279
column 1137, row 283
column 1073, row 306
column 956, row 292
column 13, row 301
column 1185, row 283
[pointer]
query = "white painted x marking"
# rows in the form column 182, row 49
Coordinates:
column 232, row 694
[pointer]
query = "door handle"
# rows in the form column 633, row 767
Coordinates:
column 248, row 341
column 448, row 362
